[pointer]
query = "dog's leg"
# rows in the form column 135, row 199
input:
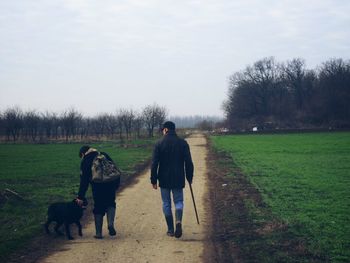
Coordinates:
column 58, row 232
column 68, row 231
column 47, row 226
column 79, row 228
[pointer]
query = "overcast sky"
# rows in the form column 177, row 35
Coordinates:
column 98, row 56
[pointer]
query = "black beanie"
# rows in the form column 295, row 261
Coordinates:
column 83, row 150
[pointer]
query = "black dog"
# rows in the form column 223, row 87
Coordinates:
column 65, row 213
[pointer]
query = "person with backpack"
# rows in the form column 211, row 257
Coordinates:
column 171, row 164
column 99, row 170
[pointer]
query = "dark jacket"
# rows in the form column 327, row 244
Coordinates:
column 171, row 162
column 86, row 173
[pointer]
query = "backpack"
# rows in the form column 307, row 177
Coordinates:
column 104, row 170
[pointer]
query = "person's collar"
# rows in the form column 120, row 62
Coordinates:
column 171, row 132
column 91, row 150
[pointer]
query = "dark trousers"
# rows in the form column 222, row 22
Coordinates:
column 104, row 196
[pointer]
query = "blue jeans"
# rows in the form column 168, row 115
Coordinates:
column 178, row 198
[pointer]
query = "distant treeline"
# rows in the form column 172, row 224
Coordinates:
column 271, row 95
column 195, row 121
column 71, row 125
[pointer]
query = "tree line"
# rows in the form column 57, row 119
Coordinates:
column 127, row 123
column 271, row 95
column 196, row 121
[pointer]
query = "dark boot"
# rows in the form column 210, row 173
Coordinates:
column 98, row 226
column 110, row 220
column 178, row 230
column 170, row 224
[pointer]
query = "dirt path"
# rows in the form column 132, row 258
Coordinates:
column 141, row 226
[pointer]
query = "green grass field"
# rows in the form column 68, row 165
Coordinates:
column 42, row 174
column 304, row 179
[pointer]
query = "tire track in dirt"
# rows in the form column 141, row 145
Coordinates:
column 141, row 226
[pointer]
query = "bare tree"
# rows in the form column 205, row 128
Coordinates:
column 111, row 124
column 48, row 122
column 70, row 119
column 149, row 117
column 56, row 125
column 138, row 125
column 13, row 118
column 294, row 74
column 99, row 125
column 161, row 115
column 32, row 122
column 127, row 118
column 333, row 92
column 153, row 116
column 254, row 94
column 290, row 95
column 119, row 123
column 84, row 127
column 263, row 76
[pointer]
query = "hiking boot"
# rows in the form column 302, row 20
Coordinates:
column 178, row 230
column 110, row 221
column 178, row 217
column 170, row 223
column 111, row 231
column 98, row 226
column 170, row 233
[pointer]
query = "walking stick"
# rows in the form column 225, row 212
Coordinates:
column 194, row 203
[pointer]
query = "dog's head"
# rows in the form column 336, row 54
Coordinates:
column 83, row 205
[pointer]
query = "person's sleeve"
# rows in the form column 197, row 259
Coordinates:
column 155, row 164
column 188, row 163
column 85, row 172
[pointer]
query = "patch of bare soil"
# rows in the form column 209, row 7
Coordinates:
column 244, row 229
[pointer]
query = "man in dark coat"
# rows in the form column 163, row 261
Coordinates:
column 171, row 164
column 103, row 193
